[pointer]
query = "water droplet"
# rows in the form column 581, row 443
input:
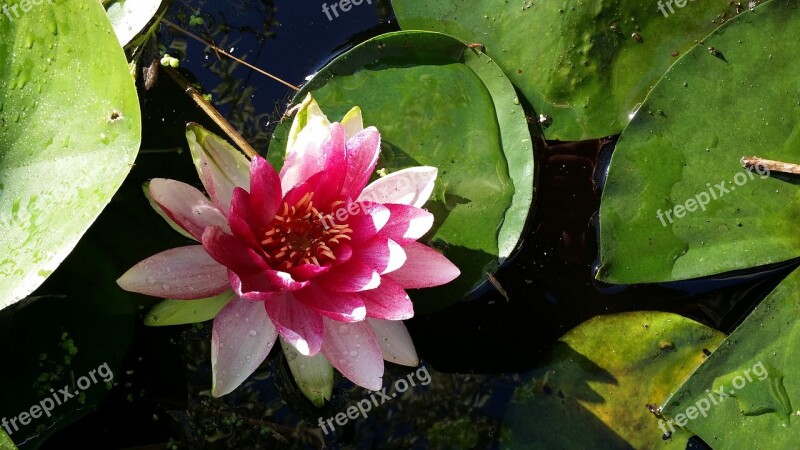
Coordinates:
column 247, row 357
column 302, row 366
column 252, row 332
column 353, row 353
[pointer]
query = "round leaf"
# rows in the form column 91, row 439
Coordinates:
column 677, row 203
column 437, row 102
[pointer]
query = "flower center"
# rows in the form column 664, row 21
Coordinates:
column 300, row 234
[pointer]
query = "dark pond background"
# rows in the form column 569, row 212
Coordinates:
column 477, row 352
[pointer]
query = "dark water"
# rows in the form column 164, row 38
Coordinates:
column 476, row 351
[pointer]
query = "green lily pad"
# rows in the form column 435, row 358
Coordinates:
column 588, row 64
column 449, row 107
column 748, row 388
column 129, row 17
column 684, row 148
column 69, row 131
column 599, row 380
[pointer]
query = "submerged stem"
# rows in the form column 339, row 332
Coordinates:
column 219, row 50
column 212, row 112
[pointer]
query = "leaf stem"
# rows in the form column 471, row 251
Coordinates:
column 212, row 112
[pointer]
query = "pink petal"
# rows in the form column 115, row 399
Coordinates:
column 239, row 217
column 183, row 273
column 362, row 156
column 218, row 187
column 367, row 222
column 221, row 167
column 412, row 186
column 324, row 188
column 186, row 206
column 301, row 166
column 406, row 223
column 299, row 325
column 381, row 254
column 425, row 267
column 241, row 339
column 343, row 253
column 305, row 272
column 263, row 286
column 395, row 342
column 353, row 349
column 341, row 306
column 251, row 270
column 233, row 253
column 354, row 276
column 388, row 301
column 265, row 192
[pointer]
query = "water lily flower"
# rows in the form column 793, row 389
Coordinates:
column 314, row 254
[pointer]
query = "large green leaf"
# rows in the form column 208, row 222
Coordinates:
column 756, row 370
column 438, row 103
column 69, row 132
column 578, row 62
column 595, row 385
column 711, row 108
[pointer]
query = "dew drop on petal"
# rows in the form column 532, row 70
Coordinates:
column 344, row 329
column 353, row 353
column 252, row 332
column 302, row 366
column 151, row 280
